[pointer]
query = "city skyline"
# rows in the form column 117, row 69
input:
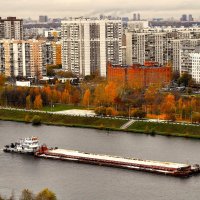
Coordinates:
column 75, row 8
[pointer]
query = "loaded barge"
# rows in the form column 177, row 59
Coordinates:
column 167, row 168
column 31, row 146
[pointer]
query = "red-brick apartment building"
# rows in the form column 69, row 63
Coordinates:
column 140, row 75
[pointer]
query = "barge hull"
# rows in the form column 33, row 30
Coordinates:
column 187, row 171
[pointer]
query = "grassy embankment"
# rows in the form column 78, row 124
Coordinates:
column 167, row 129
column 151, row 128
column 63, row 120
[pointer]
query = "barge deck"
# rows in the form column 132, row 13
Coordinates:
column 167, row 168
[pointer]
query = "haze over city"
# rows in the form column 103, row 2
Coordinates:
column 74, row 8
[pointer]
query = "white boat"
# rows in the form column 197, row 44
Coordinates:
column 27, row 146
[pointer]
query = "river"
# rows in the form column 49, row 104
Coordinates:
column 73, row 181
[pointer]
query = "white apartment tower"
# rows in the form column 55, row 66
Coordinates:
column 87, row 45
column 195, row 63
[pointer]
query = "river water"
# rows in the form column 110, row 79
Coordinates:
column 73, row 181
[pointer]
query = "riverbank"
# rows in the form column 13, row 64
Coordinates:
column 61, row 120
column 150, row 128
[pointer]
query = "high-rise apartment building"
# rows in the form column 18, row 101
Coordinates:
column 87, row 45
column 11, row 28
column 161, row 45
column 23, row 58
column 28, row 58
column 52, row 53
column 195, row 66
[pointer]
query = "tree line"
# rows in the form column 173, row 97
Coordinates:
column 106, row 98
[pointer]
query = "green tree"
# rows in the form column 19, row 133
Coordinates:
column 185, row 79
column 139, row 113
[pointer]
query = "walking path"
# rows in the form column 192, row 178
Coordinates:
column 128, row 124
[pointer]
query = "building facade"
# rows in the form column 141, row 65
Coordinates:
column 28, row 58
column 139, row 76
column 87, row 45
column 165, row 46
column 11, row 28
column 195, row 66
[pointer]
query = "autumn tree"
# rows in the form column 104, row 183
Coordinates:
column 47, row 92
column 111, row 111
column 27, row 195
column 151, row 94
column 169, row 107
column 65, row 97
column 2, row 79
column 68, row 87
column 99, row 94
column 86, row 98
column 38, row 102
column 76, row 96
column 196, row 117
column 111, row 92
column 46, row 194
column 28, row 102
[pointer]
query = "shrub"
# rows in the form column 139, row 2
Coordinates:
column 138, row 113
column 111, row 111
column 196, row 117
column 36, row 120
column 100, row 110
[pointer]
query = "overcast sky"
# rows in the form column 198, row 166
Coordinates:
column 75, row 8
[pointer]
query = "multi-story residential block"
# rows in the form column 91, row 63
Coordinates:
column 11, row 28
column 28, row 58
column 140, row 76
column 22, row 58
column 195, row 66
column 53, row 53
column 87, row 45
column 161, row 45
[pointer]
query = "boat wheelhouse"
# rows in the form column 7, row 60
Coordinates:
column 27, row 145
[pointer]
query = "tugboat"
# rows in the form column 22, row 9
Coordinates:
column 27, row 146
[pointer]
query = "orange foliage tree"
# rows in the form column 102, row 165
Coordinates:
column 86, row 98
column 169, row 107
column 110, row 92
column 28, row 102
column 76, row 96
column 38, row 102
column 65, row 97
column 99, row 94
